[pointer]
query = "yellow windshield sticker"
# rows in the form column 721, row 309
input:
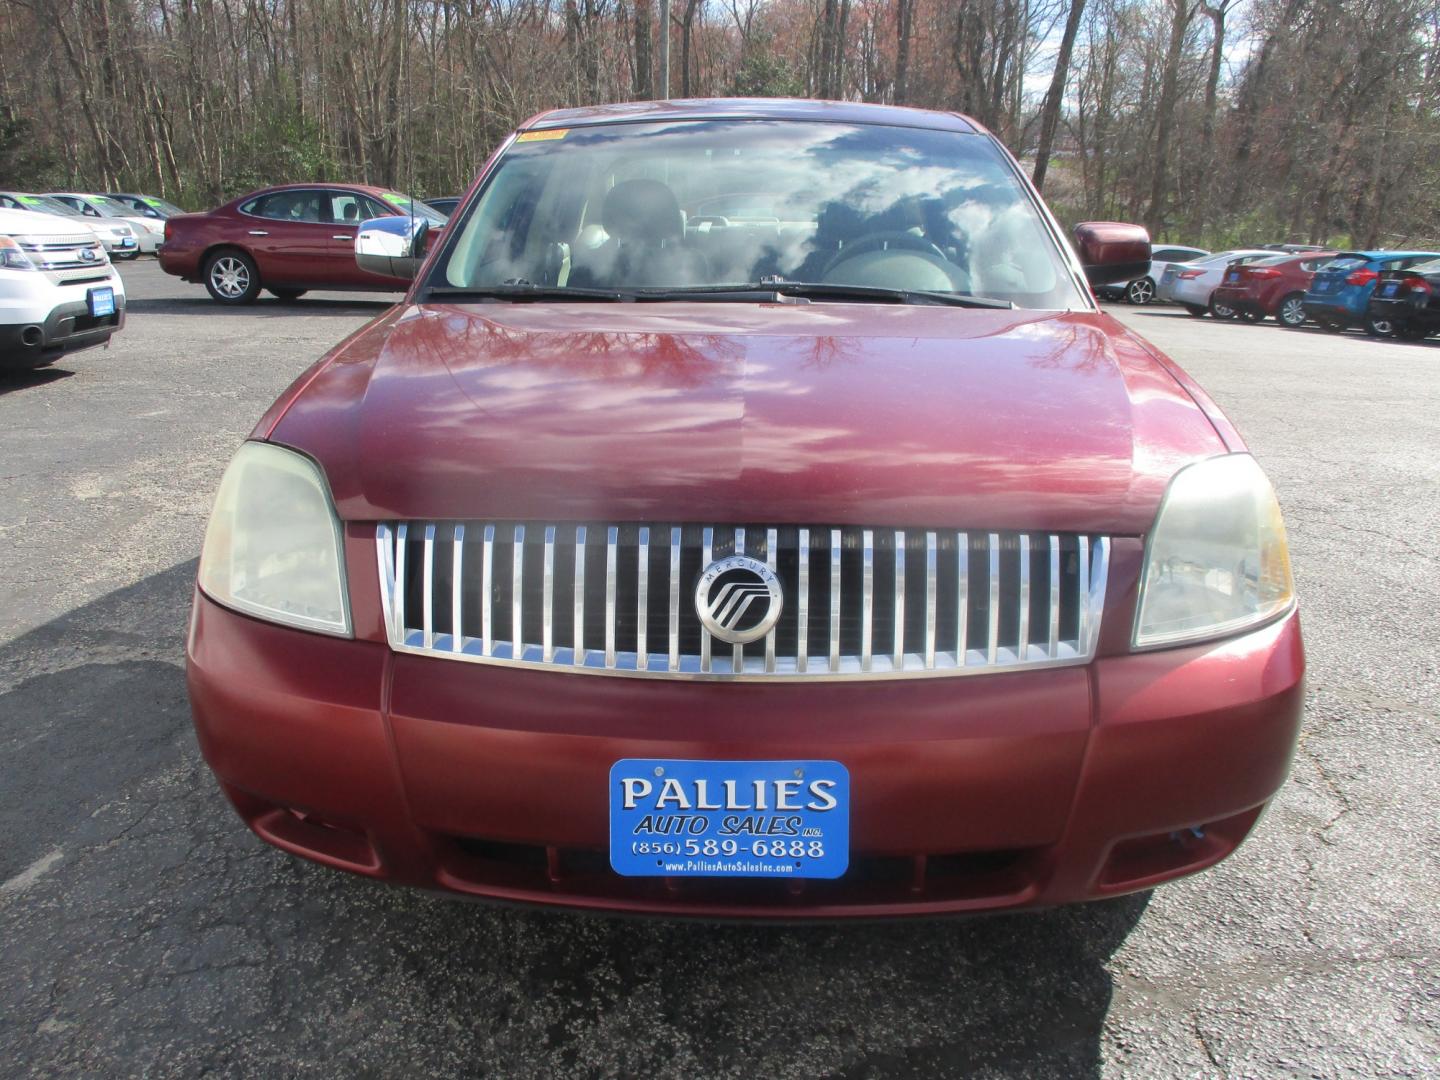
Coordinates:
column 542, row 136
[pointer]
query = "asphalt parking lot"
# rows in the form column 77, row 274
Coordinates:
column 143, row 930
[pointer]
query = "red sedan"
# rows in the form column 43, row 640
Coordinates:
column 285, row 240
column 1274, row 286
column 829, row 556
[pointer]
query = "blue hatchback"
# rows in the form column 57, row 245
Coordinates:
column 1339, row 294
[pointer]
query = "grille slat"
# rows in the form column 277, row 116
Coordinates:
column 877, row 604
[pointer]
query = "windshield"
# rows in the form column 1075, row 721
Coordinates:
column 168, row 208
column 43, row 204
column 414, row 207
column 693, row 205
column 1431, row 267
column 109, row 207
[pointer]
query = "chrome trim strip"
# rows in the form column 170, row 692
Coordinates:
column 802, row 615
column 931, row 586
column 707, row 556
column 962, row 598
column 487, row 594
column 547, row 631
column 1083, row 567
column 457, row 596
column 612, row 543
column 675, row 534
column 992, row 647
column 834, row 599
column 427, row 579
column 517, row 591
column 578, row 647
column 772, row 544
column 401, row 535
column 898, row 659
column 1052, row 648
column 642, row 597
column 867, row 599
column 1022, row 637
column 737, row 654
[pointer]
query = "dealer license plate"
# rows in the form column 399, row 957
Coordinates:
column 1390, row 289
column 102, row 302
column 729, row 818
column 1233, row 275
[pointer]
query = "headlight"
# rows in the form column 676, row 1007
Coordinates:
column 13, row 256
column 154, row 228
column 273, row 546
column 1217, row 561
column 123, row 230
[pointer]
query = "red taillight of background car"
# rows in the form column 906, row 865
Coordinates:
column 1416, row 284
column 1260, row 272
column 1363, row 276
column 1186, row 275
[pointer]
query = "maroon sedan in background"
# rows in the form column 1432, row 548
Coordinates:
column 1273, row 286
column 830, row 556
column 285, row 240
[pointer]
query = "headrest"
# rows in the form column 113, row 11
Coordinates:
column 642, row 210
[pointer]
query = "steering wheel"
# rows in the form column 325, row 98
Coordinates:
column 877, row 240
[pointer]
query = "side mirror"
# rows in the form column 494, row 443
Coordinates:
column 392, row 247
column 1112, row 251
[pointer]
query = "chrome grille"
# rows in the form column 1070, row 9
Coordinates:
column 59, row 258
column 619, row 599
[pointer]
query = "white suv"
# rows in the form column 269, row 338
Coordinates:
column 58, row 290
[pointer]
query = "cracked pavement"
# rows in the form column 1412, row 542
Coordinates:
column 143, row 930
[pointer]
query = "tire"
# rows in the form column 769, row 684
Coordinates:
column 1412, row 331
column 1140, row 291
column 1379, row 327
column 286, row 296
column 1330, row 326
column 1291, row 311
column 1194, row 309
column 1219, row 310
column 231, row 277
column 128, row 256
column 1250, row 315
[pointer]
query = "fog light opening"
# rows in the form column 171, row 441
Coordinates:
column 1142, row 861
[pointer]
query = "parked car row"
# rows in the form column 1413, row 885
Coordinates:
column 1384, row 293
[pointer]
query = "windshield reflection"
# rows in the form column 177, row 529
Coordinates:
column 696, row 204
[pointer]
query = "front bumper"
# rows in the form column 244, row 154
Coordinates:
column 1240, row 300
column 41, row 321
column 996, row 792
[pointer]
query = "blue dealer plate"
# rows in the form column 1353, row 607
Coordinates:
column 102, row 302
column 729, row 818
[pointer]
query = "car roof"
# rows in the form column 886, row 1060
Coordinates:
column 840, row 112
column 1383, row 254
column 369, row 189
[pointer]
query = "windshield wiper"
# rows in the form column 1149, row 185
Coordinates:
column 819, row 290
column 521, row 291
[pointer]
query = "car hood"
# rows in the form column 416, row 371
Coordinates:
column 762, row 413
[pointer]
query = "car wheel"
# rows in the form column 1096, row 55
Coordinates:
column 1291, row 311
column 286, row 296
column 231, row 277
column 1410, row 331
column 1221, row 310
column 1194, row 309
column 1140, row 291
column 1379, row 327
column 126, row 255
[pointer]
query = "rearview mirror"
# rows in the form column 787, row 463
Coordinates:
column 1112, row 251
column 392, row 247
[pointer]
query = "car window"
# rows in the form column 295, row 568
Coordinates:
column 1174, row 254
column 1409, row 261
column 348, row 207
column 1430, row 266
column 289, row 206
column 1274, row 260
column 407, row 205
column 704, row 203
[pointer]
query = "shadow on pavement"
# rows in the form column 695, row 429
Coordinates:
column 264, row 307
column 11, row 381
column 146, row 931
